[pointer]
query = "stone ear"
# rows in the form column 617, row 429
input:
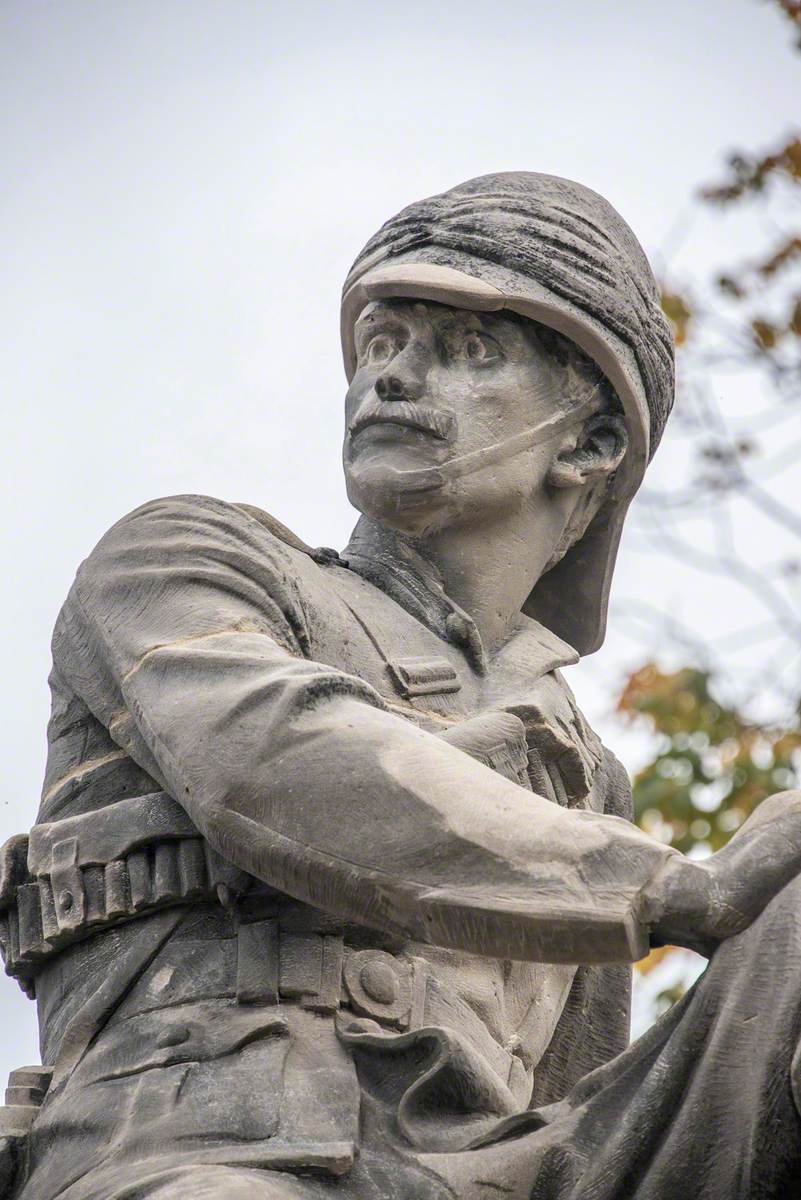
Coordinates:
column 599, row 449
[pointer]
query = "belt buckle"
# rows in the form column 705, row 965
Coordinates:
column 384, row 988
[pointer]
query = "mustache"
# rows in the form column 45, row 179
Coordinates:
column 404, row 412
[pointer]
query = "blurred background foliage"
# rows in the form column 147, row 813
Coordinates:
column 710, row 767
column 717, row 747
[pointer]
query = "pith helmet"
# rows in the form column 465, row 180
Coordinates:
column 558, row 253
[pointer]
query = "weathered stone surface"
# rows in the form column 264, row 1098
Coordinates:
column 331, row 885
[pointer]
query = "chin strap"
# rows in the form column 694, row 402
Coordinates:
column 425, row 478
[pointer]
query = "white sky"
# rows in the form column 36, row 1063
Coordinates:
column 185, row 185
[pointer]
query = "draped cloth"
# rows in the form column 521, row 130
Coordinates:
column 704, row 1105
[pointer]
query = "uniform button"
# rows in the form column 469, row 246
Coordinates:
column 379, row 981
column 65, row 901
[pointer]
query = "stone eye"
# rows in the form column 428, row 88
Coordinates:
column 379, row 349
column 480, row 348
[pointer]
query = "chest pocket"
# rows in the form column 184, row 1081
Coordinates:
column 541, row 742
column 423, row 676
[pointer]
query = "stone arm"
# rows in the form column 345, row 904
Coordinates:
column 186, row 635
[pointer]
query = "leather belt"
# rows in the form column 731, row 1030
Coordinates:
column 321, row 973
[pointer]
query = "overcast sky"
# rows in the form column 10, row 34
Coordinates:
column 185, row 185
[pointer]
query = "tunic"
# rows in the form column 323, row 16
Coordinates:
column 395, row 898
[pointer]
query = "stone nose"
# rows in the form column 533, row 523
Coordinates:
column 391, row 387
column 404, row 377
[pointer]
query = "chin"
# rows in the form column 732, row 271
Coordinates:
column 380, row 495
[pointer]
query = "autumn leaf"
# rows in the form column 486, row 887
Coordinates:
column 786, row 254
column 749, row 174
column 766, row 334
column 653, row 959
column 731, row 287
column 678, row 312
column 795, row 319
column 792, row 9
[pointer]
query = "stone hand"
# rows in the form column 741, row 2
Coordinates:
column 700, row 904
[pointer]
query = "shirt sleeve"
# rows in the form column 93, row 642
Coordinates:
column 185, row 634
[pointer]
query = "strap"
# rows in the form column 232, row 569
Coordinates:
column 108, row 833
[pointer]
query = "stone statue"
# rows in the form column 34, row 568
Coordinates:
column 332, row 891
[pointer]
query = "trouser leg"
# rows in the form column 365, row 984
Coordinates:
column 701, row 1106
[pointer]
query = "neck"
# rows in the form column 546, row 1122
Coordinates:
column 487, row 569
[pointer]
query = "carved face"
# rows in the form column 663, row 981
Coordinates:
column 434, row 383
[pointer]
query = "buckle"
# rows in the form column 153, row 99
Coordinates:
column 386, row 989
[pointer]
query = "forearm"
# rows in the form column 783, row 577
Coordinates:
column 185, row 637
column 293, row 774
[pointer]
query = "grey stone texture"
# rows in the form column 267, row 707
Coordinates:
column 332, row 890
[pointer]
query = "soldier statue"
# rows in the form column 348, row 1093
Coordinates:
column 332, row 891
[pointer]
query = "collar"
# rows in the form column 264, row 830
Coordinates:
column 397, row 569
column 393, row 566
column 533, row 651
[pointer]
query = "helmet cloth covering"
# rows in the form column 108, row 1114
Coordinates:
column 556, row 252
